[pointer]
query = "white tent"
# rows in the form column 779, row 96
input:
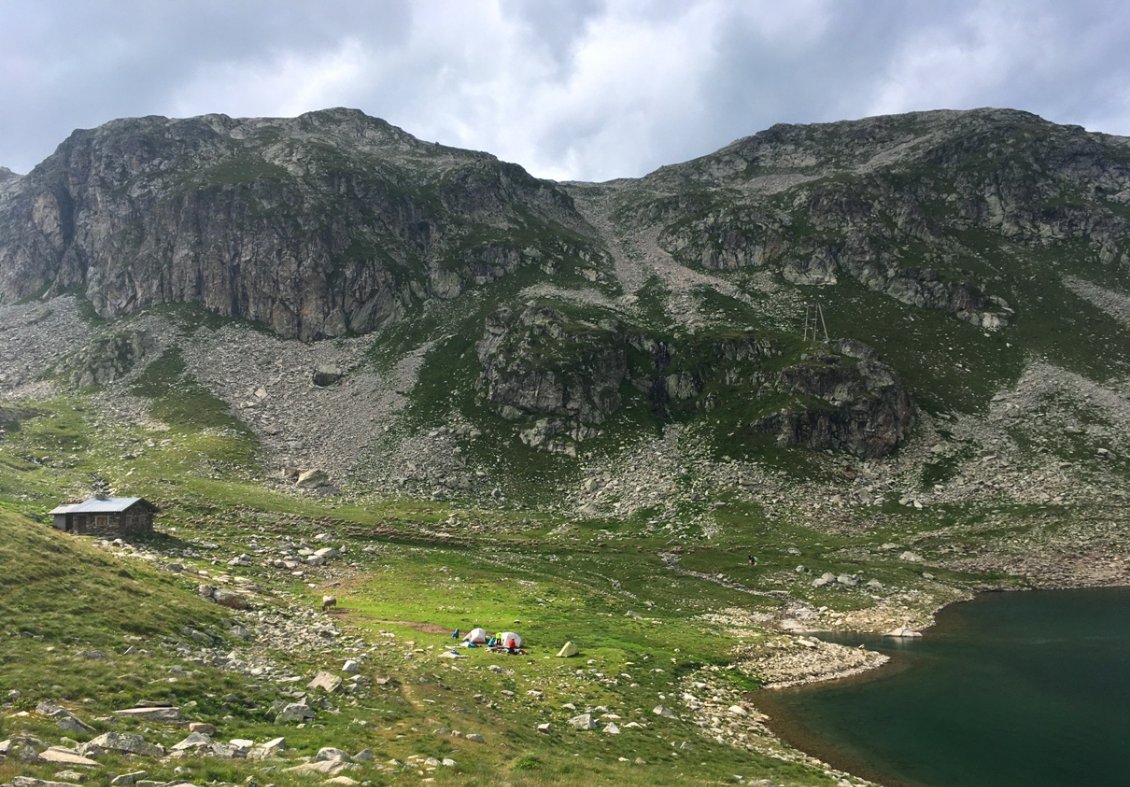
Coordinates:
column 476, row 636
column 506, row 637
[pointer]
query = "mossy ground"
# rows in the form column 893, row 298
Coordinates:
column 601, row 584
column 604, row 584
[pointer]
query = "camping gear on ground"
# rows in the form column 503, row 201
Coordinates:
column 477, row 636
column 508, row 639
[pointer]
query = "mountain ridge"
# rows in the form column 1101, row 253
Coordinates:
column 807, row 383
column 760, row 160
column 146, row 211
column 335, row 224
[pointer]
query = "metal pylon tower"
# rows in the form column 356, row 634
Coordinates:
column 815, row 329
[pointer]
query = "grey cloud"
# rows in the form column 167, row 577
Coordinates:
column 556, row 25
column 589, row 89
column 74, row 65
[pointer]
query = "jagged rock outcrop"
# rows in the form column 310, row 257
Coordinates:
column 322, row 225
column 903, row 204
column 563, row 376
column 566, row 374
column 850, row 401
column 10, row 418
column 107, row 358
column 731, row 239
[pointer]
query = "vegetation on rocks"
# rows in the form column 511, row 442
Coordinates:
column 346, row 362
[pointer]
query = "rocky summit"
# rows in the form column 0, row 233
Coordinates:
column 321, row 226
column 829, row 377
column 947, row 252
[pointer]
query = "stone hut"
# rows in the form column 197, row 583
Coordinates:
column 106, row 516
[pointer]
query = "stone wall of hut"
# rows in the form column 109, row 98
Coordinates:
column 113, row 525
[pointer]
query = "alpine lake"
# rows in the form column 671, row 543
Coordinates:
column 1018, row 688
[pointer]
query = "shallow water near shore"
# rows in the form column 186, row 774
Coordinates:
column 1009, row 689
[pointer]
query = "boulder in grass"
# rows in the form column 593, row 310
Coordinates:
column 272, row 748
column 71, row 776
column 154, row 713
column 66, row 720
column 125, row 742
column 333, row 754
column 240, row 747
column 326, row 681
column 230, row 599
column 323, row 767
column 57, row 755
column 24, row 748
column 195, row 740
column 583, row 722
column 295, row 711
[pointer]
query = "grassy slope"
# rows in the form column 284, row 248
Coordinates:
column 88, row 631
column 602, row 586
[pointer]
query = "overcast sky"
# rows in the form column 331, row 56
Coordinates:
column 570, row 89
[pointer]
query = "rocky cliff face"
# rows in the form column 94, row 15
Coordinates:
column 107, row 358
column 10, row 418
column 902, row 204
column 561, row 376
column 317, row 226
column 858, row 404
column 959, row 244
column 336, row 223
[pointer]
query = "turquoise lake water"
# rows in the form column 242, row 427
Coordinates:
column 1009, row 689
